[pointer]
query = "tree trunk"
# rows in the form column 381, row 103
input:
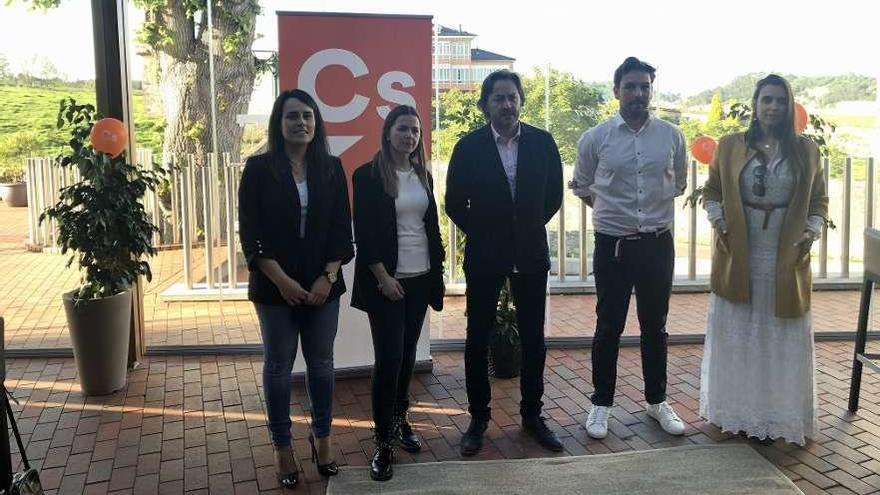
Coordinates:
column 179, row 45
column 184, row 76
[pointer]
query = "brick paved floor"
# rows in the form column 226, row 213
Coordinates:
column 31, row 285
column 195, row 425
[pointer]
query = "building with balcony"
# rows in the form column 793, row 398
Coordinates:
column 458, row 65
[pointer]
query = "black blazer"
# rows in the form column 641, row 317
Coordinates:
column 269, row 224
column 501, row 233
column 375, row 230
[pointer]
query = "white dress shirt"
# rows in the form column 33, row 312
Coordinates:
column 632, row 176
column 508, row 149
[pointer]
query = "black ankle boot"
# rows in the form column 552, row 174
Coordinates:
column 381, row 465
column 404, row 434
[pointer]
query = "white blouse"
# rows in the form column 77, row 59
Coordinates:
column 412, row 239
column 303, row 189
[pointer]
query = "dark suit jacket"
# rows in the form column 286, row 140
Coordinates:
column 269, row 224
column 375, row 229
column 502, row 233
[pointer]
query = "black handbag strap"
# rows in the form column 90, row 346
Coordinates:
column 8, row 407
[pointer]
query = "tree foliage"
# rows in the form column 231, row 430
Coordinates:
column 716, row 111
column 575, row 106
column 459, row 115
column 176, row 36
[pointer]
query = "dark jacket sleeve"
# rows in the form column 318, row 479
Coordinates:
column 365, row 217
column 340, row 246
column 553, row 195
column 250, row 218
column 436, row 226
column 458, row 192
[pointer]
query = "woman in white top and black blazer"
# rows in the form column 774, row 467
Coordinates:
column 398, row 272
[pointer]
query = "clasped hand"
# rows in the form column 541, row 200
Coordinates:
column 294, row 294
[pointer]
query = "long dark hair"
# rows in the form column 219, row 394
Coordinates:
column 384, row 165
column 318, row 155
column 788, row 138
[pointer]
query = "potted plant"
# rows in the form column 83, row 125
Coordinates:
column 14, row 148
column 505, row 349
column 102, row 221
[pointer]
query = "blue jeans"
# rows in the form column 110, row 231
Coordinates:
column 280, row 327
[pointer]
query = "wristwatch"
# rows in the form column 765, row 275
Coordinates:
column 331, row 276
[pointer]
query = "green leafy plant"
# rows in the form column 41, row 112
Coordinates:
column 101, row 218
column 15, row 147
column 10, row 172
column 505, row 316
column 505, row 344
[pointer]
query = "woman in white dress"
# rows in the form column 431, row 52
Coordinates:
column 766, row 200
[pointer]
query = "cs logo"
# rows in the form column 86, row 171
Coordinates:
column 358, row 103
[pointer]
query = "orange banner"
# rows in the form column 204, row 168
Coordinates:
column 358, row 67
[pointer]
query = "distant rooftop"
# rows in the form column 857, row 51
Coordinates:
column 448, row 31
column 485, row 55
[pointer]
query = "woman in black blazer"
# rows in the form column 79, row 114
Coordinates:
column 295, row 228
column 398, row 272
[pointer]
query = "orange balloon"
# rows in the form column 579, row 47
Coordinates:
column 703, row 148
column 801, row 118
column 109, row 136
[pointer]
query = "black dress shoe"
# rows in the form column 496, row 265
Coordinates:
column 381, row 464
column 404, row 434
column 472, row 440
column 537, row 428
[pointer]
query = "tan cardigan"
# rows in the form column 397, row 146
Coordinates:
column 730, row 259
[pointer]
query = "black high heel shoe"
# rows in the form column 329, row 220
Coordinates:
column 286, row 480
column 329, row 469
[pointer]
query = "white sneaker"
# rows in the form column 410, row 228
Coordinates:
column 597, row 422
column 667, row 418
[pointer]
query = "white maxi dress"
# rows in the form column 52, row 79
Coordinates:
column 758, row 370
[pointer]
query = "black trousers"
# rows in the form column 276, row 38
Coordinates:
column 643, row 262
column 529, row 297
column 396, row 327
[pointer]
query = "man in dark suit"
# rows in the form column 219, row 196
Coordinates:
column 504, row 184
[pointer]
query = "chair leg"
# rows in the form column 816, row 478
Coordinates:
column 861, row 338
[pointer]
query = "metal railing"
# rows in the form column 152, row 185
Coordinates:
column 197, row 214
column 852, row 208
column 204, row 219
column 45, row 181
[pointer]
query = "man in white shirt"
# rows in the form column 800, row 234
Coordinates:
column 629, row 170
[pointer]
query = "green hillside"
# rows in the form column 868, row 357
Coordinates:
column 35, row 111
column 821, row 90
